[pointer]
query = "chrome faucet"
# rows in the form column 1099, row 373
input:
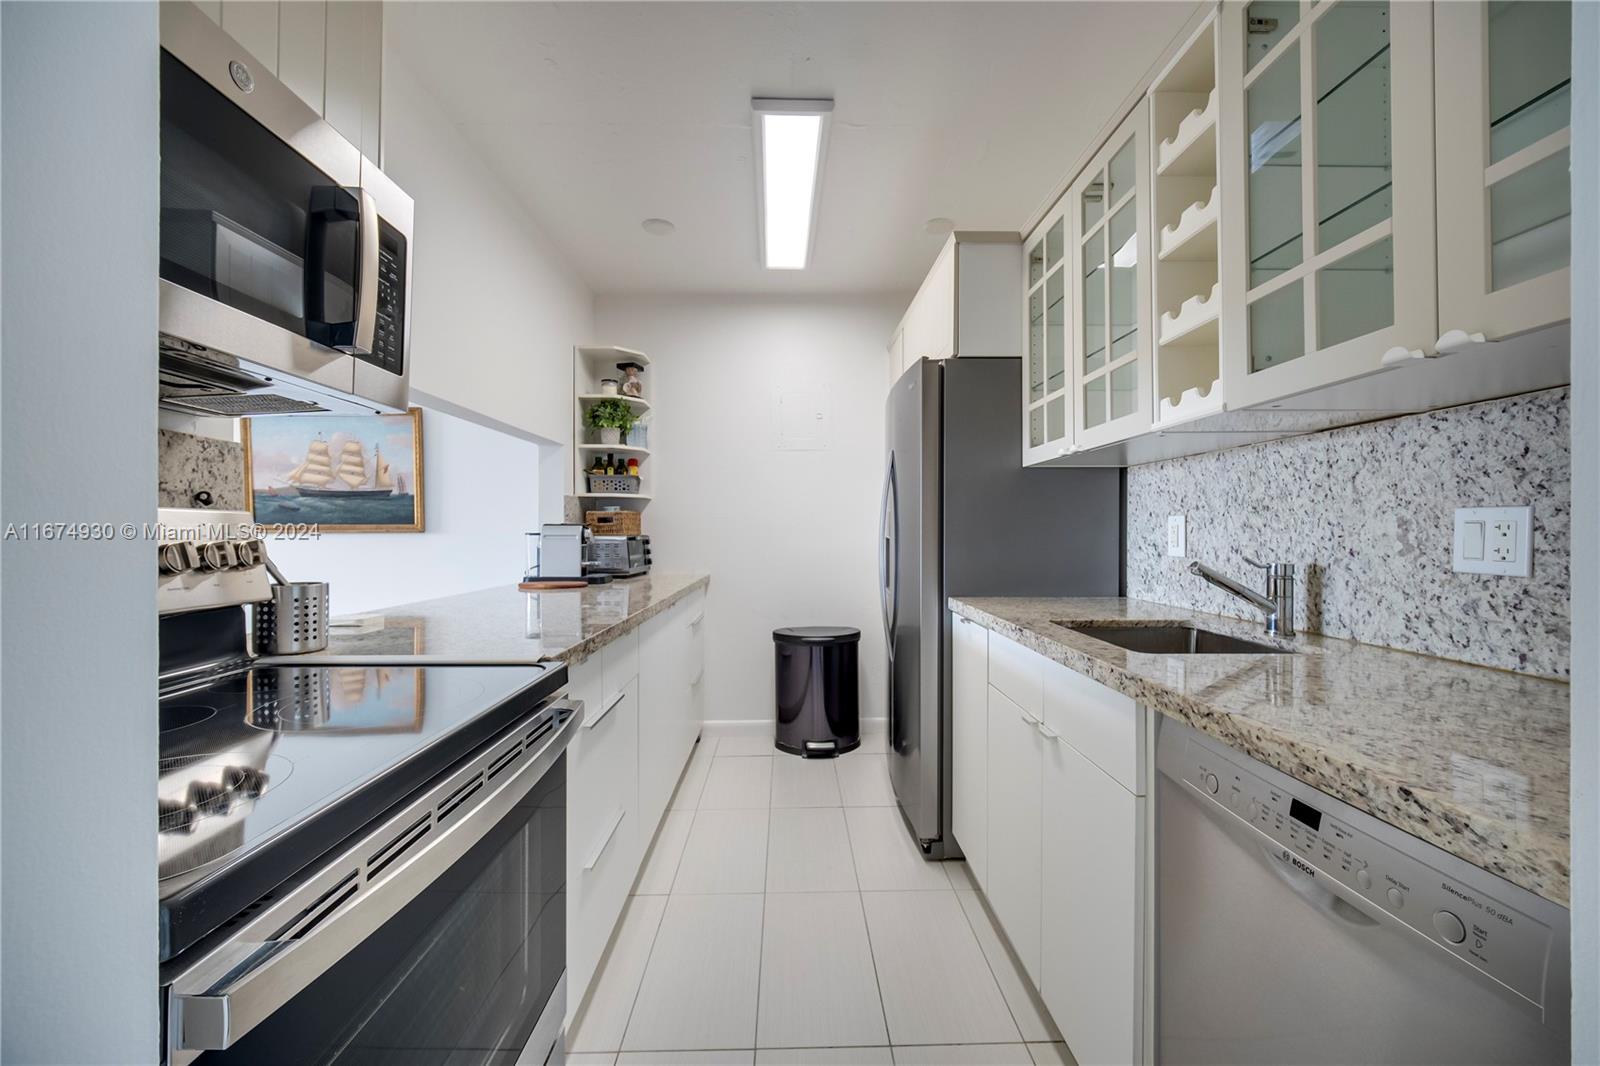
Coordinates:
column 1276, row 607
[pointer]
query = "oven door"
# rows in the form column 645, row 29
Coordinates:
column 448, row 945
column 283, row 252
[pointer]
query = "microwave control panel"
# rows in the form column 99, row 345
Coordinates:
column 1309, row 832
column 388, row 337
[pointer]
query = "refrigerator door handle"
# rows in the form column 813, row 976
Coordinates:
column 885, row 555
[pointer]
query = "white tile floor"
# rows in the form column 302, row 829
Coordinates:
column 784, row 918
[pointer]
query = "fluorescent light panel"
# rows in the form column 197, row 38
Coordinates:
column 790, row 141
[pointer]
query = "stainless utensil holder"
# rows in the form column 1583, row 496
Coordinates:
column 294, row 621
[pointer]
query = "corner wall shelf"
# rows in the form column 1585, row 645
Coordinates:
column 593, row 364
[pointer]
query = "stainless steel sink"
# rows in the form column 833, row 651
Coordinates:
column 1174, row 640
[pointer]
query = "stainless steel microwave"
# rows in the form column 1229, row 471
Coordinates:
column 285, row 253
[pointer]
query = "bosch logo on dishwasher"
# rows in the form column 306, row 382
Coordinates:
column 1294, row 860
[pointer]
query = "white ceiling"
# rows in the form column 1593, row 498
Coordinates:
column 601, row 115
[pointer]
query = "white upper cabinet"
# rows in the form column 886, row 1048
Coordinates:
column 964, row 306
column 1503, row 96
column 1108, row 209
column 1047, row 378
column 1333, row 180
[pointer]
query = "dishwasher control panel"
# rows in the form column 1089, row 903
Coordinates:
column 1316, row 835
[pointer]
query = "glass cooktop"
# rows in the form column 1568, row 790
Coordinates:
column 264, row 770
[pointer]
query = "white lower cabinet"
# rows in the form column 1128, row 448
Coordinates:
column 1091, row 942
column 1013, row 889
column 969, row 747
column 604, row 838
column 1052, row 792
column 641, row 718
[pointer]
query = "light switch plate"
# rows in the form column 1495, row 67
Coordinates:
column 1493, row 540
column 1177, row 536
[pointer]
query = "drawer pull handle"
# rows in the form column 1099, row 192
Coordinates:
column 697, row 620
column 590, row 723
column 1026, row 717
column 1046, row 731
column 605, row 841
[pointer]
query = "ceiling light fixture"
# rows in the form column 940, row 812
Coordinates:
column 657, row 227
column 791, row 140
column 938, row 226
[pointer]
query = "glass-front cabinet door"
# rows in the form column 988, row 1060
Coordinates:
column 1047, row 424
column 1503, row 75
column 1111, row 251
column 1334, row 247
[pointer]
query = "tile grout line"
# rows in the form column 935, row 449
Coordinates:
column 992, row 975
column 761, row 936
column 866, row 926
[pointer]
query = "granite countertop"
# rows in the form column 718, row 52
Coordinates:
column 505, row 625
column 1472, row 760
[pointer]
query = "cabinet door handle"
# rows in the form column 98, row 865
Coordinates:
column 605, row 841
column 698, row 677
column 590, row 723
column 1030, row 719
column 1045, row 730
column 695, row 624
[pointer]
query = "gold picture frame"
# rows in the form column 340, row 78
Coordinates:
column 332, row 472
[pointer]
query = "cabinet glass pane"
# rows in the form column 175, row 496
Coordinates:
column 1266, row 22
column 1124, row 280
column 1094, row 402
column 1056, row 330
column 1355, row 295
column 1036, row 344
column 1352, row 120
column 1036, row 262
column 1094, row 301
column 1035, row 427
column 1530, row 73
column 1529, row 222
column 1054, row 243
column 1094, row 201
column 1124, row 390
column 1277, row 328
column 1121, row 173
column 1272, row 115
column 1056, row 418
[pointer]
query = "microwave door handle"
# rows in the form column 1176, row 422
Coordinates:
column 335, row 205
column 367, row 281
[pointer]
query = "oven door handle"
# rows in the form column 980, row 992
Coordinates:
column 240, row 985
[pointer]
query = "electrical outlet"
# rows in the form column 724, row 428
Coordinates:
column 1177, row 538
column 1493, row 540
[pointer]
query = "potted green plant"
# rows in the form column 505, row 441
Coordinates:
column 613, row 418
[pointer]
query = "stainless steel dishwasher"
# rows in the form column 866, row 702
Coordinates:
column 1293, row 928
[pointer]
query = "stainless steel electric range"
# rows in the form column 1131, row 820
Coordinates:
column 358, row 864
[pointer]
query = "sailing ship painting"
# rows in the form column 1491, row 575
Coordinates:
column 341, row 473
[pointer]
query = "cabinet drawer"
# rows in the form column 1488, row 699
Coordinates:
column 620, row 661
column 1106, row 727
column 1017, row 672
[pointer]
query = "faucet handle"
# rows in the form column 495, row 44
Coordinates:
column 1272, row 569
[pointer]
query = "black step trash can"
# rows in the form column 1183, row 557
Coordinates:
column 819, row 695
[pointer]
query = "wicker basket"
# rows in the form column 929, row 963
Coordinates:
column 614, row 523
column 613, row 483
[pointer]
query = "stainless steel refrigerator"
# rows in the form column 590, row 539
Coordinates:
column 961, row 516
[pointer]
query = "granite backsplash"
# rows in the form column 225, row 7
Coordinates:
column 1366, row 513
column 188, row 464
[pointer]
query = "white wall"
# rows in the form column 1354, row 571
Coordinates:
column 496, row 307
column 786, row 535
column 480, row 494
column 1585, row 536
column 79, row 173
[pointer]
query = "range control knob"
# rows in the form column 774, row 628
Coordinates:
column 1212, row 784
column 1397, row 898
column 1363, row 879
column 1449, row 926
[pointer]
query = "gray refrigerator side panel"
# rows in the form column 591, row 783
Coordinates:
column 1009, row 530
column 915, row 664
